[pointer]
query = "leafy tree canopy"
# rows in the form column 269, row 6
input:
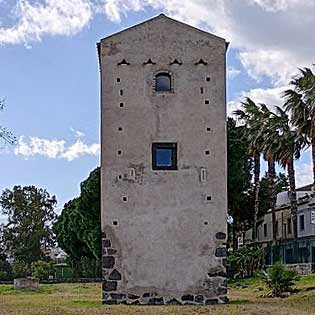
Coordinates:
column 78, row 228
column 240, row 200
column 29, row 214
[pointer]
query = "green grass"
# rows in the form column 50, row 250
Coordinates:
column 85, row 299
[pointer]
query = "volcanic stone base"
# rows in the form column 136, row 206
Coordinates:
column 214, row 286
column 154, row 299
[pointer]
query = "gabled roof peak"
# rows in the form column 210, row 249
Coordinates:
column 163, row 16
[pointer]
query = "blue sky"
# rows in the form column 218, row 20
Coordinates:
column 50, row 77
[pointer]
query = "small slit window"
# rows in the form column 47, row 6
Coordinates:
column 176, row 62
column 164, row 156
column 149, row 62
column 201, row 62
column 123, row 62
column 163, row 82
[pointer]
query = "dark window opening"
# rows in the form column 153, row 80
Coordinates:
column 123, row 62
column 207, row 152
column 201, row 62
column 121, row 104
column 208, row 129
column 124, row 199
column 302, row 223
column 121, row 92
column 163, row 82
column 207, row 102
column 149, row 62
column 208, row 79
column 176, row 62
column 164, row 156
column 265, row 230
column 115, row 223
column 289, row 226
column 119, row 152
column 119, row 128
column 208, row 198
column 206, row 223
column 201, row 90
column 118, row 80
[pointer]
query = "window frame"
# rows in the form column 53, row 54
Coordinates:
column 300, row 222
column 160, row 73
column 265, row 230
column 164, row 145
column 289, row 223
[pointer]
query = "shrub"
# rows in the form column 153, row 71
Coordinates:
column 280, row 279
column 20, row 269
column 41, row 269
column 246, row 261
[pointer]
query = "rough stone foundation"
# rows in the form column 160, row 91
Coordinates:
column 213, row 290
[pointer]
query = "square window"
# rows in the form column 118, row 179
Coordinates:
column 207, row 102
column 118, row 80
column 208, row 79
column 208, row 129
column 121, row 104
column 119, row 152
column 207, row 152
column 119, row 128
column 164, row 156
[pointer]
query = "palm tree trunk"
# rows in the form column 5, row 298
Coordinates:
column 293, row 200
column 273, row 196
column 313, row 159
column 256, row 187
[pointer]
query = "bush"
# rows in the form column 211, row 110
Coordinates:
column 246, row 261
column 20, row 269
column 41, row 269
column 279, row 279
column 5, row 269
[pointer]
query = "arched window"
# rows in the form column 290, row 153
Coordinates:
column 163, row 82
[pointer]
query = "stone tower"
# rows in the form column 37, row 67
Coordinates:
column 163, row 164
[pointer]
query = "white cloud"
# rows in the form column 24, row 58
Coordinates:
column 54, row 149
column 271, row 97
column 274, row 5
column 303, row 174
column 233, row 73
column 78, row 133
column 50, row 17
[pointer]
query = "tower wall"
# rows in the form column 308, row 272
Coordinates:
column 164, row 231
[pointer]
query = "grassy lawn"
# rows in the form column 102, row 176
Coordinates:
column 66, row 299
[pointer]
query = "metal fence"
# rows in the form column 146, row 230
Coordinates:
column 291, row 252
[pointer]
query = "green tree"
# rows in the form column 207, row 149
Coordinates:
column 78, row 228
column 239, row 179
column 299, row 102
column 285, row 145
column 29, row 215
column 265, row 196
column 41, row 269
column 250, row 116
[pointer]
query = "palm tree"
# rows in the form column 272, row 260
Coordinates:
column 284, row 144
column 263, row 125
column 250, row 115
column 300, row 103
